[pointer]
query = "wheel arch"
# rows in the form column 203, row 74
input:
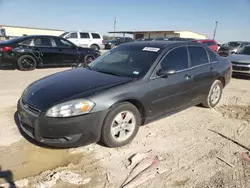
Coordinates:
column 222, row 79
column 137, row 103
column 94, row 44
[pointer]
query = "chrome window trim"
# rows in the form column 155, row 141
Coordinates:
column 152, row 77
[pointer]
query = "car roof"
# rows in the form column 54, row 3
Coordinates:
column 18, row 39
column 205, row 40
column 159, row 44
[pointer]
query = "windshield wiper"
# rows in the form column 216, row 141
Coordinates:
column 111, row 73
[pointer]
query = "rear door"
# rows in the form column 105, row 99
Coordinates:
column 85, row 39
column 67, row 49
column 168, row 94
column 46, row 51
column 96, row 39
column 203, row 71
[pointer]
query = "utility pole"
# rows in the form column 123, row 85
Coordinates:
column 115, row 25
column 215, row 29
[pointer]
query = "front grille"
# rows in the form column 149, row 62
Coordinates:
column 30, row 108
column 239, row 63
column 28, row 129
column 241, row 68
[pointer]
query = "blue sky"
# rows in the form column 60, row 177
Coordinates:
column 98, row 15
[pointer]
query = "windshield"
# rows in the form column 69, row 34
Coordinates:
column 125, row 61
column 244, row 51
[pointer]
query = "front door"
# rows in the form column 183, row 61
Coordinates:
column 171, row 93
column 203, row 71
column 67, row 49
column 73, row 37
column 42, row 47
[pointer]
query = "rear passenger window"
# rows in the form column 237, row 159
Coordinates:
column 198, row 56
column 95, row 36
column 84, row 35
column 43, row 42
column 212, row 55
column 73, row 36
column 176, row 59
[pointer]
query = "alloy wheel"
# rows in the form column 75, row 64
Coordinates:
column 215, row 94
column 123, row 126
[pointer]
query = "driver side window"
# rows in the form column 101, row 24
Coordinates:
column 176, row 59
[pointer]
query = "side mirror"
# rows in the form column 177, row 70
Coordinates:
column 166, row 72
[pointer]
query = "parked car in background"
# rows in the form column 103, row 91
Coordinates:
column 241, row 60
column 29, row 52
column 180, row 39
column 131, row 85
column 231, row 47
column 212, row 44
column 219, row 45
column 116, row 41
column 160, row 38
column 85, row 39
column 144, row 39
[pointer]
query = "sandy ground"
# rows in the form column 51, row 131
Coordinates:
column 189, row 154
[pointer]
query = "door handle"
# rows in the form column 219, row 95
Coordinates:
column 187, row 77
column 211, row 69
column 60, row 49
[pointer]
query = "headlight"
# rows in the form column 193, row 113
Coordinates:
column 71, row 108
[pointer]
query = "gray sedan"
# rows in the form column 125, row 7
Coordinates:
column 241, row 60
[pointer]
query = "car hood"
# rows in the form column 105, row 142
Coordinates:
column 68, row 85
column 240, row 58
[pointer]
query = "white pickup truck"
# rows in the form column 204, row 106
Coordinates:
column 85, row 39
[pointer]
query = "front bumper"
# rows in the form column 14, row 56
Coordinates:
column 7, row 61
column 60, row 132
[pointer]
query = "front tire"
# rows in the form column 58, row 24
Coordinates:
column 26, row 63
column 121, row 125
column 88, row 59
column 214, row 95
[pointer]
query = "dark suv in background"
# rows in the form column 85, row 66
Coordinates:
column 116, row 41
column 231, row 47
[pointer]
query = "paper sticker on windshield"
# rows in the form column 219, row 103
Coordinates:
column 136, row 72
column 151, row 49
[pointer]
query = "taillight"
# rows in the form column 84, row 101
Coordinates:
column 6, row 49
column 102, row 41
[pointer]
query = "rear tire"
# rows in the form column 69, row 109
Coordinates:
column 95, row 47
column 26, row 63
column 214, row 95
column 121, row 125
